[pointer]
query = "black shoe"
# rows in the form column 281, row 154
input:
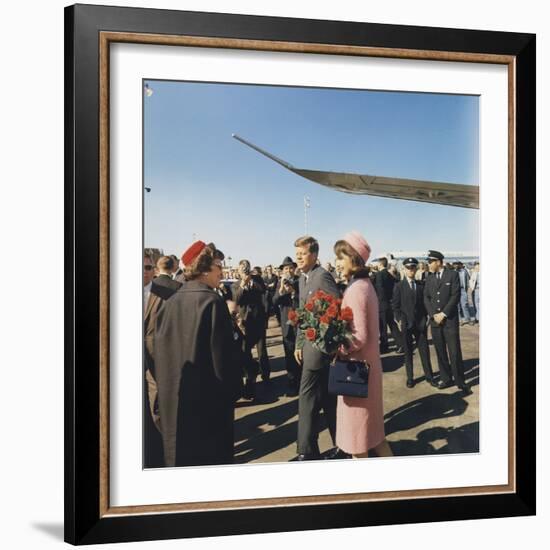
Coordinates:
column 444, row 385
column 302, row 458
column 432, row 382
column 465, row 390
column 336, row 454
column 399, row 350
column 249, row 390
column 410, row 383
column 384, row 349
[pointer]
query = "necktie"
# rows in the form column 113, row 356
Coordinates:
column 439, row 275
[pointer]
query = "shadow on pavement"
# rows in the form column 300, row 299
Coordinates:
column 265, row 443
column 426, row 409
column 392, row 363
column 250, row 425
column 464, row 439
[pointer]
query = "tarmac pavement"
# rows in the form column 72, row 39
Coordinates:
column 418, row 421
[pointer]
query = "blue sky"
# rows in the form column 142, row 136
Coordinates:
column 208, row 185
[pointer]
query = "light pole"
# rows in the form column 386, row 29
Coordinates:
column 306, row 206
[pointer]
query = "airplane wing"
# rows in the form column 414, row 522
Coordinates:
column 450, row 194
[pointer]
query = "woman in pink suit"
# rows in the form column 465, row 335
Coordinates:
column 360, row 420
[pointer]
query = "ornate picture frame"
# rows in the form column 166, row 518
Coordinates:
column 90, row 32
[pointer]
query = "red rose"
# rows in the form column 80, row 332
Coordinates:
column 346, row 314
column 332, row 311
column 309, row 306
column 325, row 319
column 311, row 333
column 292, row 316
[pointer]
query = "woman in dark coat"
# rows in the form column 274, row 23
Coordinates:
column 197, row 366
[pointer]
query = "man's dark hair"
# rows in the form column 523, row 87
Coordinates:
column 311, row 242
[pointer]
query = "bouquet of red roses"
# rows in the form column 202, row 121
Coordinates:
column 323, row 322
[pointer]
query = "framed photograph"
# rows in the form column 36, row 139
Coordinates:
column 259, row 204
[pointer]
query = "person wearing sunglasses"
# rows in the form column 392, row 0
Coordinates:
column 152, row 441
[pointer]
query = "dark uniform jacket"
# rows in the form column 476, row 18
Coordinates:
column 164, row 286
column 287, row 302
column 317, row 279
column 198, row 376
column 442, row 295
column 408, row 305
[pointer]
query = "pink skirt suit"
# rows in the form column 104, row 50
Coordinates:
column 360, row 421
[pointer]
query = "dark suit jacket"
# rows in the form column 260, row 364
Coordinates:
column 286, row 302
column 251, row 308
column 164, row 286
column 384, row 283
column 271, row 284
column 442, row 295
column 318, row 279
column 408, row 305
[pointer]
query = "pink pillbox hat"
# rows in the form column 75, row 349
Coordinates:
column 358, row 242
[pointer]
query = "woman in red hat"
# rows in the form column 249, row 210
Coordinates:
column 360, row 420
column 197, row 366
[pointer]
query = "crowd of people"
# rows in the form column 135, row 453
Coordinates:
column 202, row 319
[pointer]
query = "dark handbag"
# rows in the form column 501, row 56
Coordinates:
column 349, row 378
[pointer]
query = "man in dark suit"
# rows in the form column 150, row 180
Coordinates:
column 285, row 299
column 270, row 281
column 261, row 346
column 384, row 283
column 248, row 294
column 163, row 285
column 314, row 394
column 152, row 440
column 441, row 298
column 408, row 308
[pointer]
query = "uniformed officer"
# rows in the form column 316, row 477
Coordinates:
column 441, row 298
column 408, row 308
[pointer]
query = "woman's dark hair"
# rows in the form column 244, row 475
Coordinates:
column 201, row 264
column 359, row 269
